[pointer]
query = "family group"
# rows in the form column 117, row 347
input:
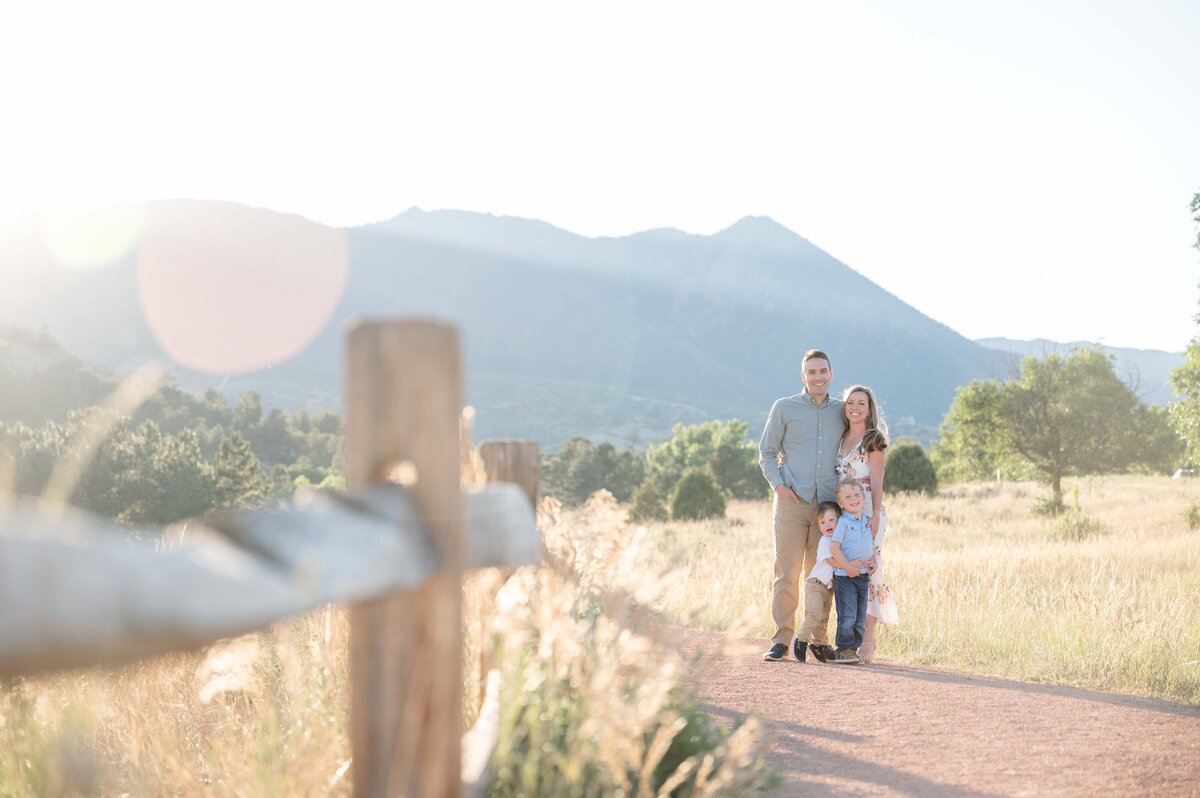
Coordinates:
column 824, row 458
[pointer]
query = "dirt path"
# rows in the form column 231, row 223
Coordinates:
column 898, row 730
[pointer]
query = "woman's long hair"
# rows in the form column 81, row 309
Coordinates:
column 875, row 439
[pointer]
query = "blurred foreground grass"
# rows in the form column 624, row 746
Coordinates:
column 592, row 702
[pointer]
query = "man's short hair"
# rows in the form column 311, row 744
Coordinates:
column 825, row 507
column 810, row 354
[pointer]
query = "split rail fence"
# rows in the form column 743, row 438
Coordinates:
column 75, row 592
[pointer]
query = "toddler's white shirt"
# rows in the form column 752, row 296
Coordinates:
column 823, row 571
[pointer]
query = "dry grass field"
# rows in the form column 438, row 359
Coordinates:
column 594, row 704
column 260, row 715
column 1107, row 598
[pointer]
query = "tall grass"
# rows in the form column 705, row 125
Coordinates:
column 592, row 703
column 260, row 715
column 1106, row 597
column 602, row 710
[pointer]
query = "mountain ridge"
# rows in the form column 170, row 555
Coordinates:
column 616, row 338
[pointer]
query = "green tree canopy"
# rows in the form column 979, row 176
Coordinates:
column 720, row 447
column 579, row 468
column 1063, row 415
column 696, row 496
column 1196, row 218
column 1185, row 413
column 971, row 441
column 909, row 469
column 647, row 504
column 239, row 478
column 160, row 463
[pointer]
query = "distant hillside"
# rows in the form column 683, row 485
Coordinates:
column 41, row 382
column 1147, row 371
column 614, row 338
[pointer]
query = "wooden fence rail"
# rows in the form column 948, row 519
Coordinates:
column 77, row 591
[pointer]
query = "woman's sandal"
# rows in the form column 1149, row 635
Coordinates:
column 866, row 652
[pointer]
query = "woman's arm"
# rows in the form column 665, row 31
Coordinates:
column 875, row 465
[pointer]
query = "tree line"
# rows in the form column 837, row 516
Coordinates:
column 176, row 457
column 1066, row 414
column 689, row 475
column 180, row 455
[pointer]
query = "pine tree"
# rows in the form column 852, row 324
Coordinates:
column 238, row 478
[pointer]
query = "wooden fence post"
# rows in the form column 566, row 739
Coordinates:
column 403, row 400
column 512, row 461
column 516, row 461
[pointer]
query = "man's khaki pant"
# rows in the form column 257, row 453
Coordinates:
column 796, row 537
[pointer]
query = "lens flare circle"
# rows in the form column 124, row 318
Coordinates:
column 229, row 289
column 92, row 235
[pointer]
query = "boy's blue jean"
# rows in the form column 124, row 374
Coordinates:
column 850, row 596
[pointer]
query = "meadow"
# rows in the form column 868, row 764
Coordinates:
column 1106, row 596
column 592, row 704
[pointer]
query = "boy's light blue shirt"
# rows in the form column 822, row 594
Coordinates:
column 855, row 536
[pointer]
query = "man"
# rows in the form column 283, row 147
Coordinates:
column 797, row 453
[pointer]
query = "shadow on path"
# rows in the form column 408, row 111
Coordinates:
column 802, row 764
column 899, row 730
column 951, row 677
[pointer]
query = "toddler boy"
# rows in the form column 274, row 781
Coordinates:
column 851, row 549
column 818, row 592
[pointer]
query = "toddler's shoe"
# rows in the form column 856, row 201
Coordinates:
column 799, row 650
column 822, row 651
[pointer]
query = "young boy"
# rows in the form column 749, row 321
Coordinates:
column 818, row 591
column 851, row 548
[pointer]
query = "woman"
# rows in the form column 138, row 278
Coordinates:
column 860, row 455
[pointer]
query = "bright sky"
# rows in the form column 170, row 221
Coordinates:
column 1019, row 169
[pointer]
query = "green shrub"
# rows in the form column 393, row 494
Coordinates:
column 648, row 504
column 1192, row 515
column 1047, row 506
column 1074, row 525
column 697, row 496
column 909, row 469
column 700, row 736
column 596, row 704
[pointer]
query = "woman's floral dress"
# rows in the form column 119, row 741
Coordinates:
column 880, row 601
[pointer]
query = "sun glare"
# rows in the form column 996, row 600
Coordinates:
column 90, row 236
column 228, row 289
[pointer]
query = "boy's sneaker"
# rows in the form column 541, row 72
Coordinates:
column 775, row 652
column 799, row 650
column 846, row 656
column 822, row 651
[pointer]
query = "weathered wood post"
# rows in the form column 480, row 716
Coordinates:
column 512, row 461
column 403, row 400
column 516, row 461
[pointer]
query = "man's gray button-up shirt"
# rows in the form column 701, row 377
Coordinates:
column 799, row 445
